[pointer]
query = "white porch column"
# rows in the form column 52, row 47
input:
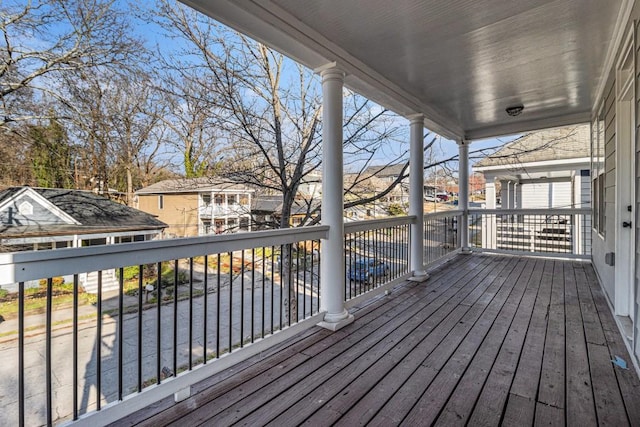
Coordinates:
column 332, row 261
column 416, row 198
column 463, row 194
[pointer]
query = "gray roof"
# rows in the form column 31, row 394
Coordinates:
column 192, row 185
column 269, row 204
column 552, row 144
column 92, row 212
column 385, row 170
column 273, row 205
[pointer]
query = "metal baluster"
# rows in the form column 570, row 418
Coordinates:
column 253, row 292
column 99, row 344
column 264, row 256
column 289, row 279
column 75, row 347
column 230, row 302
column 318, row 289
column 205, row 307
column 140, row 283
column 218, row 276
column 48, row 352
column 159, row 324
column 120, row 333
column 242, row 299
column 21, row 354
column 175, row 317
column 281, row 287
column 304, row 280
column 273, row 285
column 190, row 314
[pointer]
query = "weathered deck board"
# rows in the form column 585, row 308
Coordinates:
column 552, row 378
column 488, row 340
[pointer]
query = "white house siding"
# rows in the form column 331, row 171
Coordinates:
column 637, row 194
column 561, row 194
column 544, row 195
column 535, row 196
column 603, row 245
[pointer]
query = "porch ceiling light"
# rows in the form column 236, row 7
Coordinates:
column 514, row 110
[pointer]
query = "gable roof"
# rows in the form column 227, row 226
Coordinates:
column 89, row 212
column 552, row 144
column 385, row 170
column 192, row 185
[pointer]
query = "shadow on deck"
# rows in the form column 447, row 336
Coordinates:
column 487, row 340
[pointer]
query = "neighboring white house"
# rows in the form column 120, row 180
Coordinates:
column 540, row 170
column 54, row 218
column 549, row 169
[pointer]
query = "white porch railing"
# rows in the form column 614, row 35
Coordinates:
column 548, row 232
column 202, row 304
column 211, row 211
column 377, row 253
column 182, row 305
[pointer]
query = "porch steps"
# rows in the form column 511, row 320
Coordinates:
column 538, row 239
column 109, row 281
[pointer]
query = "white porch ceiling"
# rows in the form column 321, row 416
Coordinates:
column 459, row 62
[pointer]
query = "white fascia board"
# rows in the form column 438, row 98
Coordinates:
column 11, row 200
column 545, row 164
column 193, row 191
column 71, row 237
column 528, row 125
column 42, row 202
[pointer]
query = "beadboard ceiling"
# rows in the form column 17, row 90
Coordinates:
column 459, row 62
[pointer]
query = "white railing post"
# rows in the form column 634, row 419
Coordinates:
column 463, row 193
column 332, row 249
column 489, row 224
column 416, row 198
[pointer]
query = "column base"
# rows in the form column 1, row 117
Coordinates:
column 465, row 251
column 419, row 276
column 336, row 321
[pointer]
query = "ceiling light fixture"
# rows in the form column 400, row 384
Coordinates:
column 514, row 110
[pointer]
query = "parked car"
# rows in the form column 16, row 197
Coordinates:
column 443, row 197
column 367, row 270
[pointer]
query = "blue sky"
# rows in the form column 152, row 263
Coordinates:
column 155, row 38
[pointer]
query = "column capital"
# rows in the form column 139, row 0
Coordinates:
column 416, row 119
column 330, row 71
column 463, row 142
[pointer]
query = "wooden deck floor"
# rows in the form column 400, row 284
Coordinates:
column 488, row 340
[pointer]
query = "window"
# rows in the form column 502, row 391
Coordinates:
column 598, row 176
column 160, row 201
column 206, row 227
column 25, row 208
column 218, row 199
column 232, row 199
column 244, row 199
column 206, row 199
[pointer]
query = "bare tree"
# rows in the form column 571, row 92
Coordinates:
column 189, row 121
column 267, row 109
column 118, row 119
column 43, row 40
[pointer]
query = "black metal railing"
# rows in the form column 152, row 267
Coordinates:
column 441, row 235
column 149, row 312
column 376, row 252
